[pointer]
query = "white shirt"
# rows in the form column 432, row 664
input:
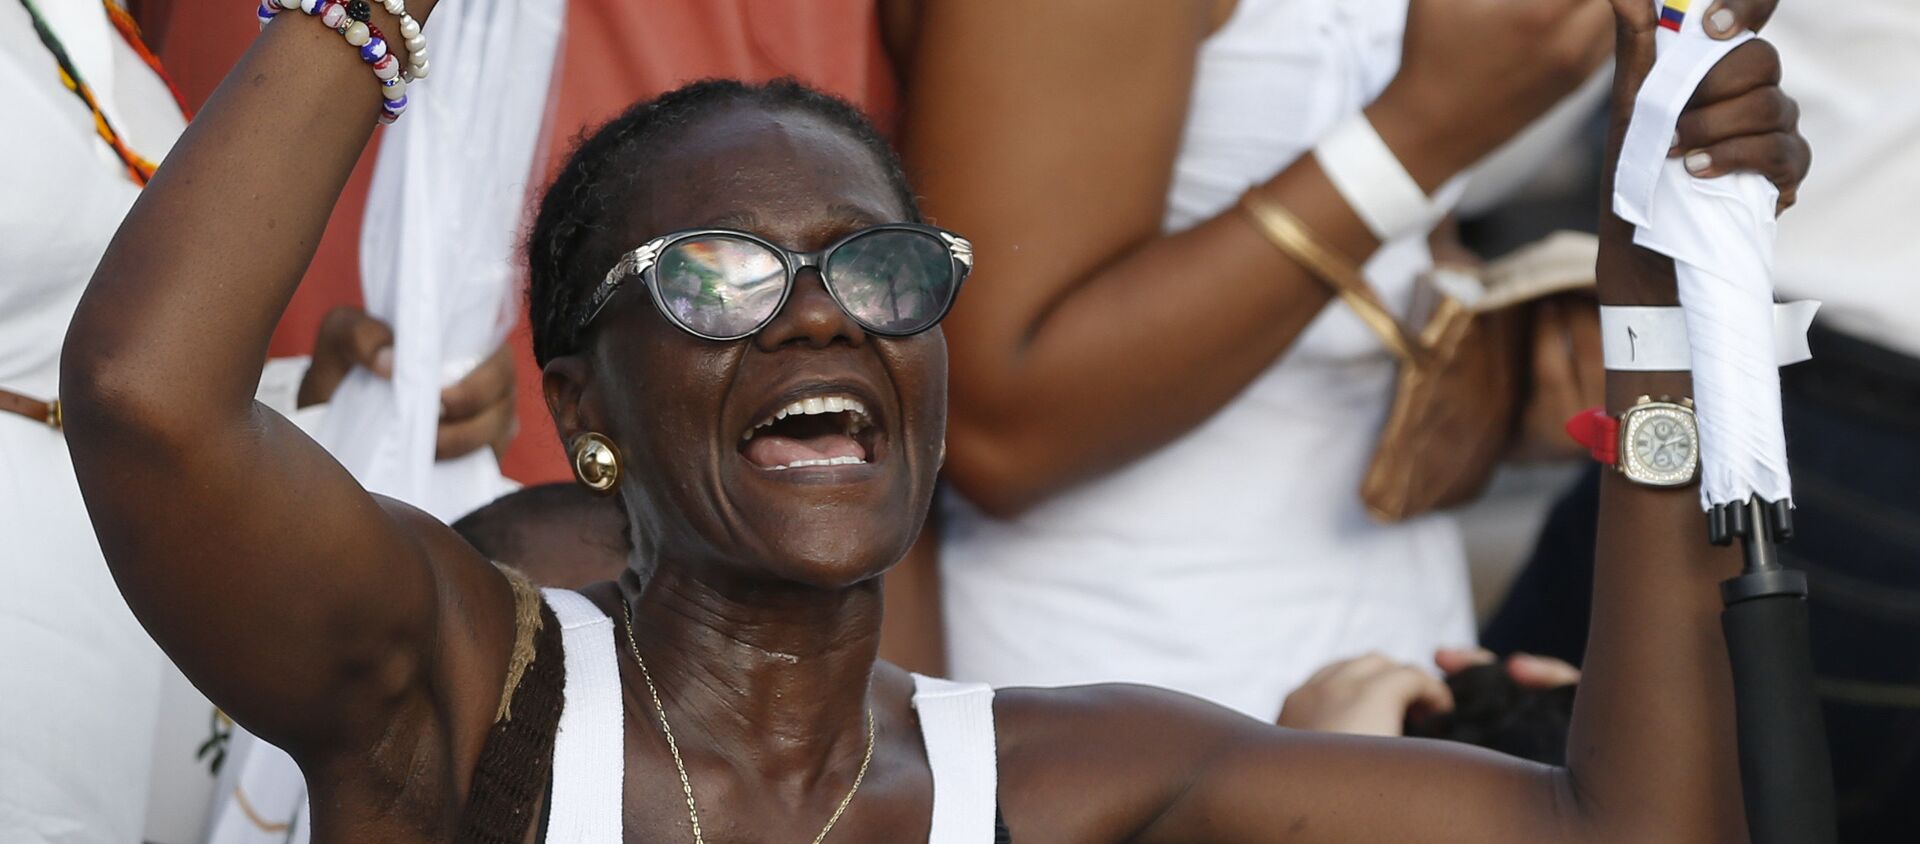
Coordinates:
column 1853, row 240
column 1237, row 559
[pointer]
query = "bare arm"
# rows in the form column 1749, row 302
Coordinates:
column 314, row 613
column 1047, row 132
column 1651, row 756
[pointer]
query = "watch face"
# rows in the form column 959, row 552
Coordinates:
column 1659, row 445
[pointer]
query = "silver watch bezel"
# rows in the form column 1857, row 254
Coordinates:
column 1646, row 410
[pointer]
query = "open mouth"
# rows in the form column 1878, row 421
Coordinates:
column 823, row 430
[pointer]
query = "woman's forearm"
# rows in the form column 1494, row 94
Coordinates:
column 1144, row 349
column 1651, row 756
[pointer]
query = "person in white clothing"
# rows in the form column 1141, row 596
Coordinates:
column 1159, row 432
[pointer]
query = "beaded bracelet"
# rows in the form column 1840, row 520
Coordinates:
column 415, row 40
column 352, row 20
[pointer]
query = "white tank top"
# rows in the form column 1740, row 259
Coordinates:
column 1237, row 559
column 589, row 751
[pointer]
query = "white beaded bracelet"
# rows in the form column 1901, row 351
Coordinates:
column 410, row 33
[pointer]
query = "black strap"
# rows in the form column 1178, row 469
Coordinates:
column 1000, row 833
column 515, row 765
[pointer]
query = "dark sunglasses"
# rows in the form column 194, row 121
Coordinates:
column 895, row 280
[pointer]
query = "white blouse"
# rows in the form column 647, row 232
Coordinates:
column 83, row 680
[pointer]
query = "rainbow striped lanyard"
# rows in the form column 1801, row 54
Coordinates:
column 139, row 168
column 1672, row 14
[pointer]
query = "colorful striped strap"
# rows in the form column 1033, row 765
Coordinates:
column 139, row 167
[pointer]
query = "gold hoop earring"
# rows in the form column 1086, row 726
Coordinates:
column 596, row 463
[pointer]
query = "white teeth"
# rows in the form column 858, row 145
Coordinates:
column 814, row 406
column 847, row 460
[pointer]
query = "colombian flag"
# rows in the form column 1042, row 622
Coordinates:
column 1673, row 13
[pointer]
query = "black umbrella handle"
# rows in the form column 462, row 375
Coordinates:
column 1785, row 774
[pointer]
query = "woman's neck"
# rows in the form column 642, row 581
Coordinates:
column 773, row 676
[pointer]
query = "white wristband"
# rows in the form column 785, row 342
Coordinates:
column 1374, row 182
column 1654, row 339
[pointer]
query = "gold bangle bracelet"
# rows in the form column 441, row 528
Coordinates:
column 1297, row 242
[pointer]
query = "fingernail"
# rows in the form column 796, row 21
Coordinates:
column 383, row 362
column 1721, row 21
column 1698, row 161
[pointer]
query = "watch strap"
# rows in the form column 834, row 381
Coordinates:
column 1597, row 431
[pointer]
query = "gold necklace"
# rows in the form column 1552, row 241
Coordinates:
column 686, row 785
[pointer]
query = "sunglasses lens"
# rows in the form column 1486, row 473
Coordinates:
column 893, row 281
column 720, row 286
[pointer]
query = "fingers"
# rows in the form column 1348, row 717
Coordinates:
column 1755, row 64
column 1355, row 669
column 1366, row 695
column 1755, row 112
column 359, row 339
column 478, row 409
column 461, row 437
column 1529, row 670
column 1782, row 157
column 347, row 338
column 1456, row 660
column 1541, row 672
column 1740, row 120
column 371, row 345
column 1417, row 688
column 1633, row 50
column 1727, row 18
column 485, row 386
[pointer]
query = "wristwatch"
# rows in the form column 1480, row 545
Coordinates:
column 1656, row 442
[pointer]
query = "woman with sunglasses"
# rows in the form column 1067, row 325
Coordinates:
column 735, row 306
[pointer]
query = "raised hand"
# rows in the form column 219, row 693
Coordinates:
column 1738, row 120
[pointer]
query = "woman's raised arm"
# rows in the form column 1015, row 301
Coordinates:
column 307, row 608
column 1651, row 758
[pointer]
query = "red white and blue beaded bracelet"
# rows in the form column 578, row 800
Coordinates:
column 351, row 18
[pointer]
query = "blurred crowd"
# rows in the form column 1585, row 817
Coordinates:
column 1146, row 478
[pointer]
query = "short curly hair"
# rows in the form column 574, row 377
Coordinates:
column 567, row 249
